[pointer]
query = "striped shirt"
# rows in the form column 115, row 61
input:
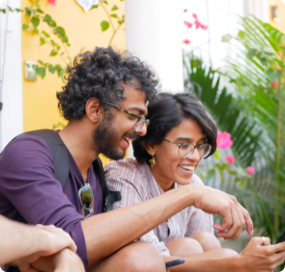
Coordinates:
column 137, row 184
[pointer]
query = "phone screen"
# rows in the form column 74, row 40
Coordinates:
column 281, row 239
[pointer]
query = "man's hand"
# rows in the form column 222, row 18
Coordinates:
column 214, row 201
column 50, row 240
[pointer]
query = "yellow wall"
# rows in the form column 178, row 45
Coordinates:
column 84, row 33
column 279, row 21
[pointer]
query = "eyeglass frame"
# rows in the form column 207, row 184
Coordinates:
column 195, row 146
column 138, row 116
column 91, row 210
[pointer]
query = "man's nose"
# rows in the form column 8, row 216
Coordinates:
column 142, row 131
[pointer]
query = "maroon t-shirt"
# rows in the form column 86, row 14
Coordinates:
column 30, row 193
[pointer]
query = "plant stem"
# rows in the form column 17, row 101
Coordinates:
column 114, row 33
column 110, row 19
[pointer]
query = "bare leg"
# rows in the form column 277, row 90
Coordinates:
column 187, row 247
column 135, row 257
column 207, row 240
column 184, row 247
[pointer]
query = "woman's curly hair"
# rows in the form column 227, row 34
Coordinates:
column 99, row 74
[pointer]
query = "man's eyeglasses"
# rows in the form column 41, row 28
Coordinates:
column 86, row 197
column 141, row 121
column 187, row 149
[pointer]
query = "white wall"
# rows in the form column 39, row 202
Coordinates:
column 11, row 116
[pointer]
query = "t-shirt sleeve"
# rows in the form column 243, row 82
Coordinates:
column 27, row 181
column 124, row 176
column 198, row 220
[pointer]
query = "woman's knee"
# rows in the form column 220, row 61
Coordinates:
column 207, row 240
column 184, row 247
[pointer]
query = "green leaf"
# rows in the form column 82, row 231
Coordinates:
column 59, row 30
column 114, row 8
column 47, row 18
column 53, row 42
column 52, row 53
column 105, row 2
column 226, row 38
column 241, row 34
column 64, row 39
column 25, row 27
column 217, row 154
column 18, row 10
column 41, row 71
column 28, row 11
column 46, row 34
column 10, row 9
column 273, row 75
column 35, row 21
column 94, row 6
column 211, row 173
column 41, row 62
column 57, row 67
column 42, row 41
column 104, row 25
column 3, row 11
column 251, row 53
column 40, row 11
column 51, row 69
column 114, row 15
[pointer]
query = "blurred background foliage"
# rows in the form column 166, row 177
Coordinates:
column 246, row 99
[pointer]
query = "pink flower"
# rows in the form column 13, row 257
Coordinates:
column 194, row 15
column 230, row 159
column 199, row 24
column 52, row 2
column 274, row 84
column 250, row 170
column 188, row 24
column 185, row 10
column 186, row 41
column 224, row 140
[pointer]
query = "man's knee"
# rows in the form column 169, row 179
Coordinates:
column 142, row 256
column 135, row 257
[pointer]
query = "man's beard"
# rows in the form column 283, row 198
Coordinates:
column 105, row 138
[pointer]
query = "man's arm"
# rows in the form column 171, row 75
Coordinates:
column 113, row 230
column 25, row 244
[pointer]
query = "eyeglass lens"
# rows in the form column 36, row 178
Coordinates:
column 86, row 198
column 140, row 123
column 187, row 149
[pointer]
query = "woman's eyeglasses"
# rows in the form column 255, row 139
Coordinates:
column 186, row 149
column 86, row 197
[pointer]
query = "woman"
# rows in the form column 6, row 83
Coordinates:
column 180, row 134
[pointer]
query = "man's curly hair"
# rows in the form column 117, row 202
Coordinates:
column 99, row 74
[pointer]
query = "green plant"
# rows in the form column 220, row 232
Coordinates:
column 57, row 38
column 258, row 74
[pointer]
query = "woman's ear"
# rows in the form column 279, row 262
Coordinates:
column 93, row 110
column 149, row 148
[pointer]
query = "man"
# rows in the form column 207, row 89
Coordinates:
column 104, row 101
column 25, row 244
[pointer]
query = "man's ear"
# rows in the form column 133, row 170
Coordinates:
column 149, row 148
column 93, row 110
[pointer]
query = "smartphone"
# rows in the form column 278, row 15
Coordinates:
column 281, row 239
column 174, row 262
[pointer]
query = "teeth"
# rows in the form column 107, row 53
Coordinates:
column 188, row 168
column 129, row 140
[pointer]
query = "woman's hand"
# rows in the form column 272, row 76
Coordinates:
column 260, row 256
